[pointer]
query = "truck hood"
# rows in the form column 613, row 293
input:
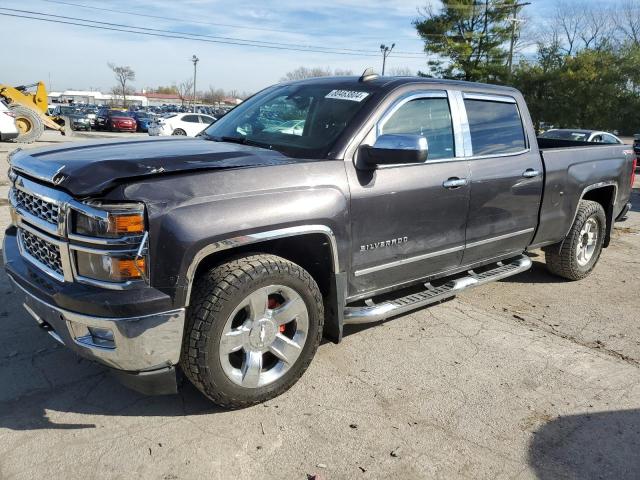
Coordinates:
column 90, row 168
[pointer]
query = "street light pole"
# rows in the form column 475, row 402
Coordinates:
column 195, row 61
column 386, row 51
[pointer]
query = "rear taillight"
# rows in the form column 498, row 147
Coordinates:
column 633, row 171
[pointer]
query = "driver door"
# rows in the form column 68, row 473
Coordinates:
column 407, row 223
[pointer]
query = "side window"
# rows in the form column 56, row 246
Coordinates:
column 496, row 127
column 606, row 138
column 206, row 119
column 429, row 117
column 191, row 119
column 596, row 139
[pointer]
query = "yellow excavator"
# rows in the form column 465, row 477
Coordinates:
column 30, row 109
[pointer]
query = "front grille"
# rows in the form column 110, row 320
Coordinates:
column 43, row 251
column 37, row 207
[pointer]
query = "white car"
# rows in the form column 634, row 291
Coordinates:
column 189, row 124
column 581, row 135
column 8, row 128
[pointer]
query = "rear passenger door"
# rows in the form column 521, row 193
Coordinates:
column 506, row 179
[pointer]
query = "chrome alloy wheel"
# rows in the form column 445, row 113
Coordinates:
column 264, row 336
column 587, row 242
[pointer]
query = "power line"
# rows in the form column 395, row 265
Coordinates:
column 176, row 19
column 309, row 48
column 193, row 37
column 182, row 20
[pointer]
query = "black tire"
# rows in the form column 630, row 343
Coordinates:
column 179, row 132
column 29, row 124
column 562, row 258
column 216, row 295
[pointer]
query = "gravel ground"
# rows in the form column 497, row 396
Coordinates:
column 530, row 377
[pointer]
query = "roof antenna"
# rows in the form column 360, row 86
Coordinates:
column 367, row 75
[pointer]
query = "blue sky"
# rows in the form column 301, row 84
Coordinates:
column 76, row 57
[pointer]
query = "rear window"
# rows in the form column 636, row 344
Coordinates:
column 496, row 127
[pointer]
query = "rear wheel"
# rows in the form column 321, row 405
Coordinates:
column 254, row 325
column 30, row 125
column 580, row 251
column 179, row 131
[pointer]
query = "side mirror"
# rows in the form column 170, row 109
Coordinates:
column 394, row 149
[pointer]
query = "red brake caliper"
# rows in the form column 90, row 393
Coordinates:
column 273, row 304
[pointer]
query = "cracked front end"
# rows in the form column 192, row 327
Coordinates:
column 83, row 271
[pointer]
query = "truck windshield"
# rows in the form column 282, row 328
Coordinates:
column 297, row 120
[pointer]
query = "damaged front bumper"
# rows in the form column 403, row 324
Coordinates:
column 141, row 349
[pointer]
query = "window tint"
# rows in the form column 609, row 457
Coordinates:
column 495, row 127
column 606, row 138
column 191, row 118
column 429, row 117
column 206, row 119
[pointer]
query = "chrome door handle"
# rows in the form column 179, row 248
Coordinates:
column 530, row 173
column 454, row 182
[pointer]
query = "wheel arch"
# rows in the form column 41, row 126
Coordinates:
column 313, row 247
column 605, row 194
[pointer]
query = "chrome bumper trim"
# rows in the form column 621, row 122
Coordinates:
column 140, row 343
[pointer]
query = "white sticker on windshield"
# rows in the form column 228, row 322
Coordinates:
column 352, row 95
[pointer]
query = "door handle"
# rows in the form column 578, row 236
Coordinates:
column 454, row 182
column 531, row 173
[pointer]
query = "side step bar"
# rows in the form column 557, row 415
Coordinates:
column 374, row 313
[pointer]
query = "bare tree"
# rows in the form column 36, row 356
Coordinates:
column 576, row 26
column 123, row 74
column 185, row 90
column 401, row 72
column 301, row 73
column 214, row 95
column 627, row 20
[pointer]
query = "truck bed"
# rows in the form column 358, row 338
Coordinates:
column 571, row 169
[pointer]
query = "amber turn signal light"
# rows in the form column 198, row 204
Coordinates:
column 126, row 224
column 128, row 269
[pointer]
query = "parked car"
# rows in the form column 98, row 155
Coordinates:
column 578, row 135
column 115, row 120
column 183, row 124
column 91, row 113
column 143, row 120
column 77, row 118
column 636, row 145
column 8, row 127
column 230, row 255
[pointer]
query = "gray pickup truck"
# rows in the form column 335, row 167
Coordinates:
column 312, row 205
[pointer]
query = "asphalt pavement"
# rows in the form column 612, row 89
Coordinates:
column 531, row 377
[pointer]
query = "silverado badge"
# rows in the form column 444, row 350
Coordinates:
column 384, row 243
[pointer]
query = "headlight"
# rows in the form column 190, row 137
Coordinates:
column 108, row 268
column 120, row 231
column 110, row 221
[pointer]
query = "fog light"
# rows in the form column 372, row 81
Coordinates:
column 102, row 337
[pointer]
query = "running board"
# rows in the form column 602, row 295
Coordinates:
column 376, row 312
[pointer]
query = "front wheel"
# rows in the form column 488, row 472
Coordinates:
column 577, row 255
column 29, row 124
column 253, row 328
column 180, row 132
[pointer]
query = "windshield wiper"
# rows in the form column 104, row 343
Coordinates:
column 240, row 140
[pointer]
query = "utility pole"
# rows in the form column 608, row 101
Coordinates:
column 195, row 61
column 386, row 51
column 514, row 22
